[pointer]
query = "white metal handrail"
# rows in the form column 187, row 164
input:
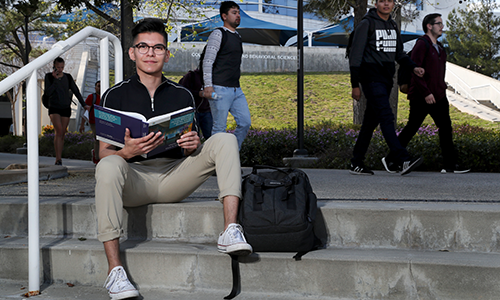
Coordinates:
column 463, row 89
column 29, row 72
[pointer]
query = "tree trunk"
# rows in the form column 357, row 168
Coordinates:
column 128, row 64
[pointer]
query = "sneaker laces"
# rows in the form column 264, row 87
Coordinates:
column 236, row 233
column 119, row 280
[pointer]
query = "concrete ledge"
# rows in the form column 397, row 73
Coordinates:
column 340, row 224
column 46, row 172
column 334, row 273
column 300, row 162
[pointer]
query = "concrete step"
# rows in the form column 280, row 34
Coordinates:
column 473, row 227
column 489, row 104
column 332, row 273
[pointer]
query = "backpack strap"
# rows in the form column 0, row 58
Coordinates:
column 235, row 270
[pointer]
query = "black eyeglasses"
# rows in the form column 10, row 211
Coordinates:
column 158, row 49
column 439, row 24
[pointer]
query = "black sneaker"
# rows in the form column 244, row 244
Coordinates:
column 456, row 170
column 411, row 165
column 360, row 170
column 390, row 166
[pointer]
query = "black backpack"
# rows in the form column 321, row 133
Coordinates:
column 45, row 96
column 278, row 210
column 405, row 73
column 371, row 30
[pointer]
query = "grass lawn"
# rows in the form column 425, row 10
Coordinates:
column 272, row 99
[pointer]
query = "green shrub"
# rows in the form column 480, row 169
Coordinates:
column 9, row 143
column 76, row 145
column 332, row 144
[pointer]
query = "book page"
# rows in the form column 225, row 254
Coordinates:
column 128, row 113
column 166, row 117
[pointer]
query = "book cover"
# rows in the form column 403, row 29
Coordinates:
column 111, row 124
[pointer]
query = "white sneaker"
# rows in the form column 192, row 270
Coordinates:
column 118, row 285
column 232, row 241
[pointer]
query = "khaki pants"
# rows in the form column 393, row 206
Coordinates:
column 162, row 180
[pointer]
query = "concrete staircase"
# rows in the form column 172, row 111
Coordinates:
column 376, row 250
column 489, row 104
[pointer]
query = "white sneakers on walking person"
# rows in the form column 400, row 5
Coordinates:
column 118, row 285
column 232, row 241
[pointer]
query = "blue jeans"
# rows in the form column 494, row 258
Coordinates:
column 378, row 111
column 230, row 99
column 205, row 122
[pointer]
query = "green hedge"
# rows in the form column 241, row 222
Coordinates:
column 477, row 148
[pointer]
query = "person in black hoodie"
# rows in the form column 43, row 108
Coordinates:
column 376, row 46
column 427, row 95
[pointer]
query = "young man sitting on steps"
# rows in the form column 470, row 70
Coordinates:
column 124, row 178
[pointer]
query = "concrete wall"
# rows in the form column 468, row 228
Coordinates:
column 262, row 59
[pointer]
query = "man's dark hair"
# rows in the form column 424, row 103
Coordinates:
column 429, row 19
column 58, row 60
column 98, row 81
column 225, row 6
column 149, row 25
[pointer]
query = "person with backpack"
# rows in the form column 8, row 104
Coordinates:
column 376, row 45
column 221, row 74
column 193, row 81
column 427, row 95
column 57, row 87
column 93, row 99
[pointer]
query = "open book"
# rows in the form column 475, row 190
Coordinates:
column 110, row 126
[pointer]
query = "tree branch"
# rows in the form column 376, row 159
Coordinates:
column 102, row 14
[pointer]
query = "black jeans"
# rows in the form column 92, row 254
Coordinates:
column 378, row 111
column 440, row 113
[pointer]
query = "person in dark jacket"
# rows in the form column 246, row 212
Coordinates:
column 57, row 86
column 427, row 95
column 376, row 46
column 193, row 81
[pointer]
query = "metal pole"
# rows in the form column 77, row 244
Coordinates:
column 32, row 106
column 104, row 46
column 300, row 81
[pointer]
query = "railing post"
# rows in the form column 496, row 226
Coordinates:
column 104, row 54
column 33, row 107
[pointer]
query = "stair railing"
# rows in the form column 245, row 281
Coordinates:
column 29, row 72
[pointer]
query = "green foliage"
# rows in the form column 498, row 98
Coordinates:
column 473, row 37
column 332, row 144
column 10, row 143
column 76, row 145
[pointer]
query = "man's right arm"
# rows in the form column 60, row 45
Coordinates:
column 357, row 50
column 213, row 46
